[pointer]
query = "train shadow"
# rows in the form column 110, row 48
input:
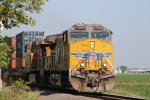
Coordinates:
column 45, row 91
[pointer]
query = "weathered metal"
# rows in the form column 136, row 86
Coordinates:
column 23, row 38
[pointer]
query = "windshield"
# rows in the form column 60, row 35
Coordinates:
column 99, row 35
column 79, row 35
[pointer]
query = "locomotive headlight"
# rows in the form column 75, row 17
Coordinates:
column 82, row 65
column 92, row 46
column 104, row 65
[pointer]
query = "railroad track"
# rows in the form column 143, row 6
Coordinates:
column 105, row 96
column 101, row 96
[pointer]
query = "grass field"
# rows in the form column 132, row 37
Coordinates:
column 18, row 91
column 135, row 85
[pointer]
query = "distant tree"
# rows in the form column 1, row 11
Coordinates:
column 123, row 68
column 13, row 13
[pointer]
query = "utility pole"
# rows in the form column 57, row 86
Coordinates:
column 1, row 42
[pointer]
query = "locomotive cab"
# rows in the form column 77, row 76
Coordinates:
column 94, row 42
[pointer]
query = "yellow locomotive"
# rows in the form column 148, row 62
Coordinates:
column 80, row 58
column 91, row 58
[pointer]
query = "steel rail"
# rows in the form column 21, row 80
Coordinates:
column 105, row 96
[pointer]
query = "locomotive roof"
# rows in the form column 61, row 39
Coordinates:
column 88, row 26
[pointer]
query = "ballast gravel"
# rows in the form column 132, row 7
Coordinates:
column 50, row 95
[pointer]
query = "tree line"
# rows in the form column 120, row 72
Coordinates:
column 14, row 13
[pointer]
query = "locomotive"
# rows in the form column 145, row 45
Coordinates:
column 80, row 58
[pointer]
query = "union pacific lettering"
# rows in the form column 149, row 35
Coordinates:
column 90, row 55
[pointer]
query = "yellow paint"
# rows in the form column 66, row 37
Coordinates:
column 100, row 46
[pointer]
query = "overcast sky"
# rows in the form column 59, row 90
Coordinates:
column 129, row 20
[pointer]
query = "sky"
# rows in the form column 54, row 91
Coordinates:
column 129, row 20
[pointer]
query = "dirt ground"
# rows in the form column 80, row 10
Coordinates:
column 52, row 95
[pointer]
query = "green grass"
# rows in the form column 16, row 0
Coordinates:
column 8, row 94
column 135, row 85
column 18, row 91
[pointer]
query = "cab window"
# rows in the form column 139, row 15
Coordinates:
column 98, row 35
column 79, row 35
